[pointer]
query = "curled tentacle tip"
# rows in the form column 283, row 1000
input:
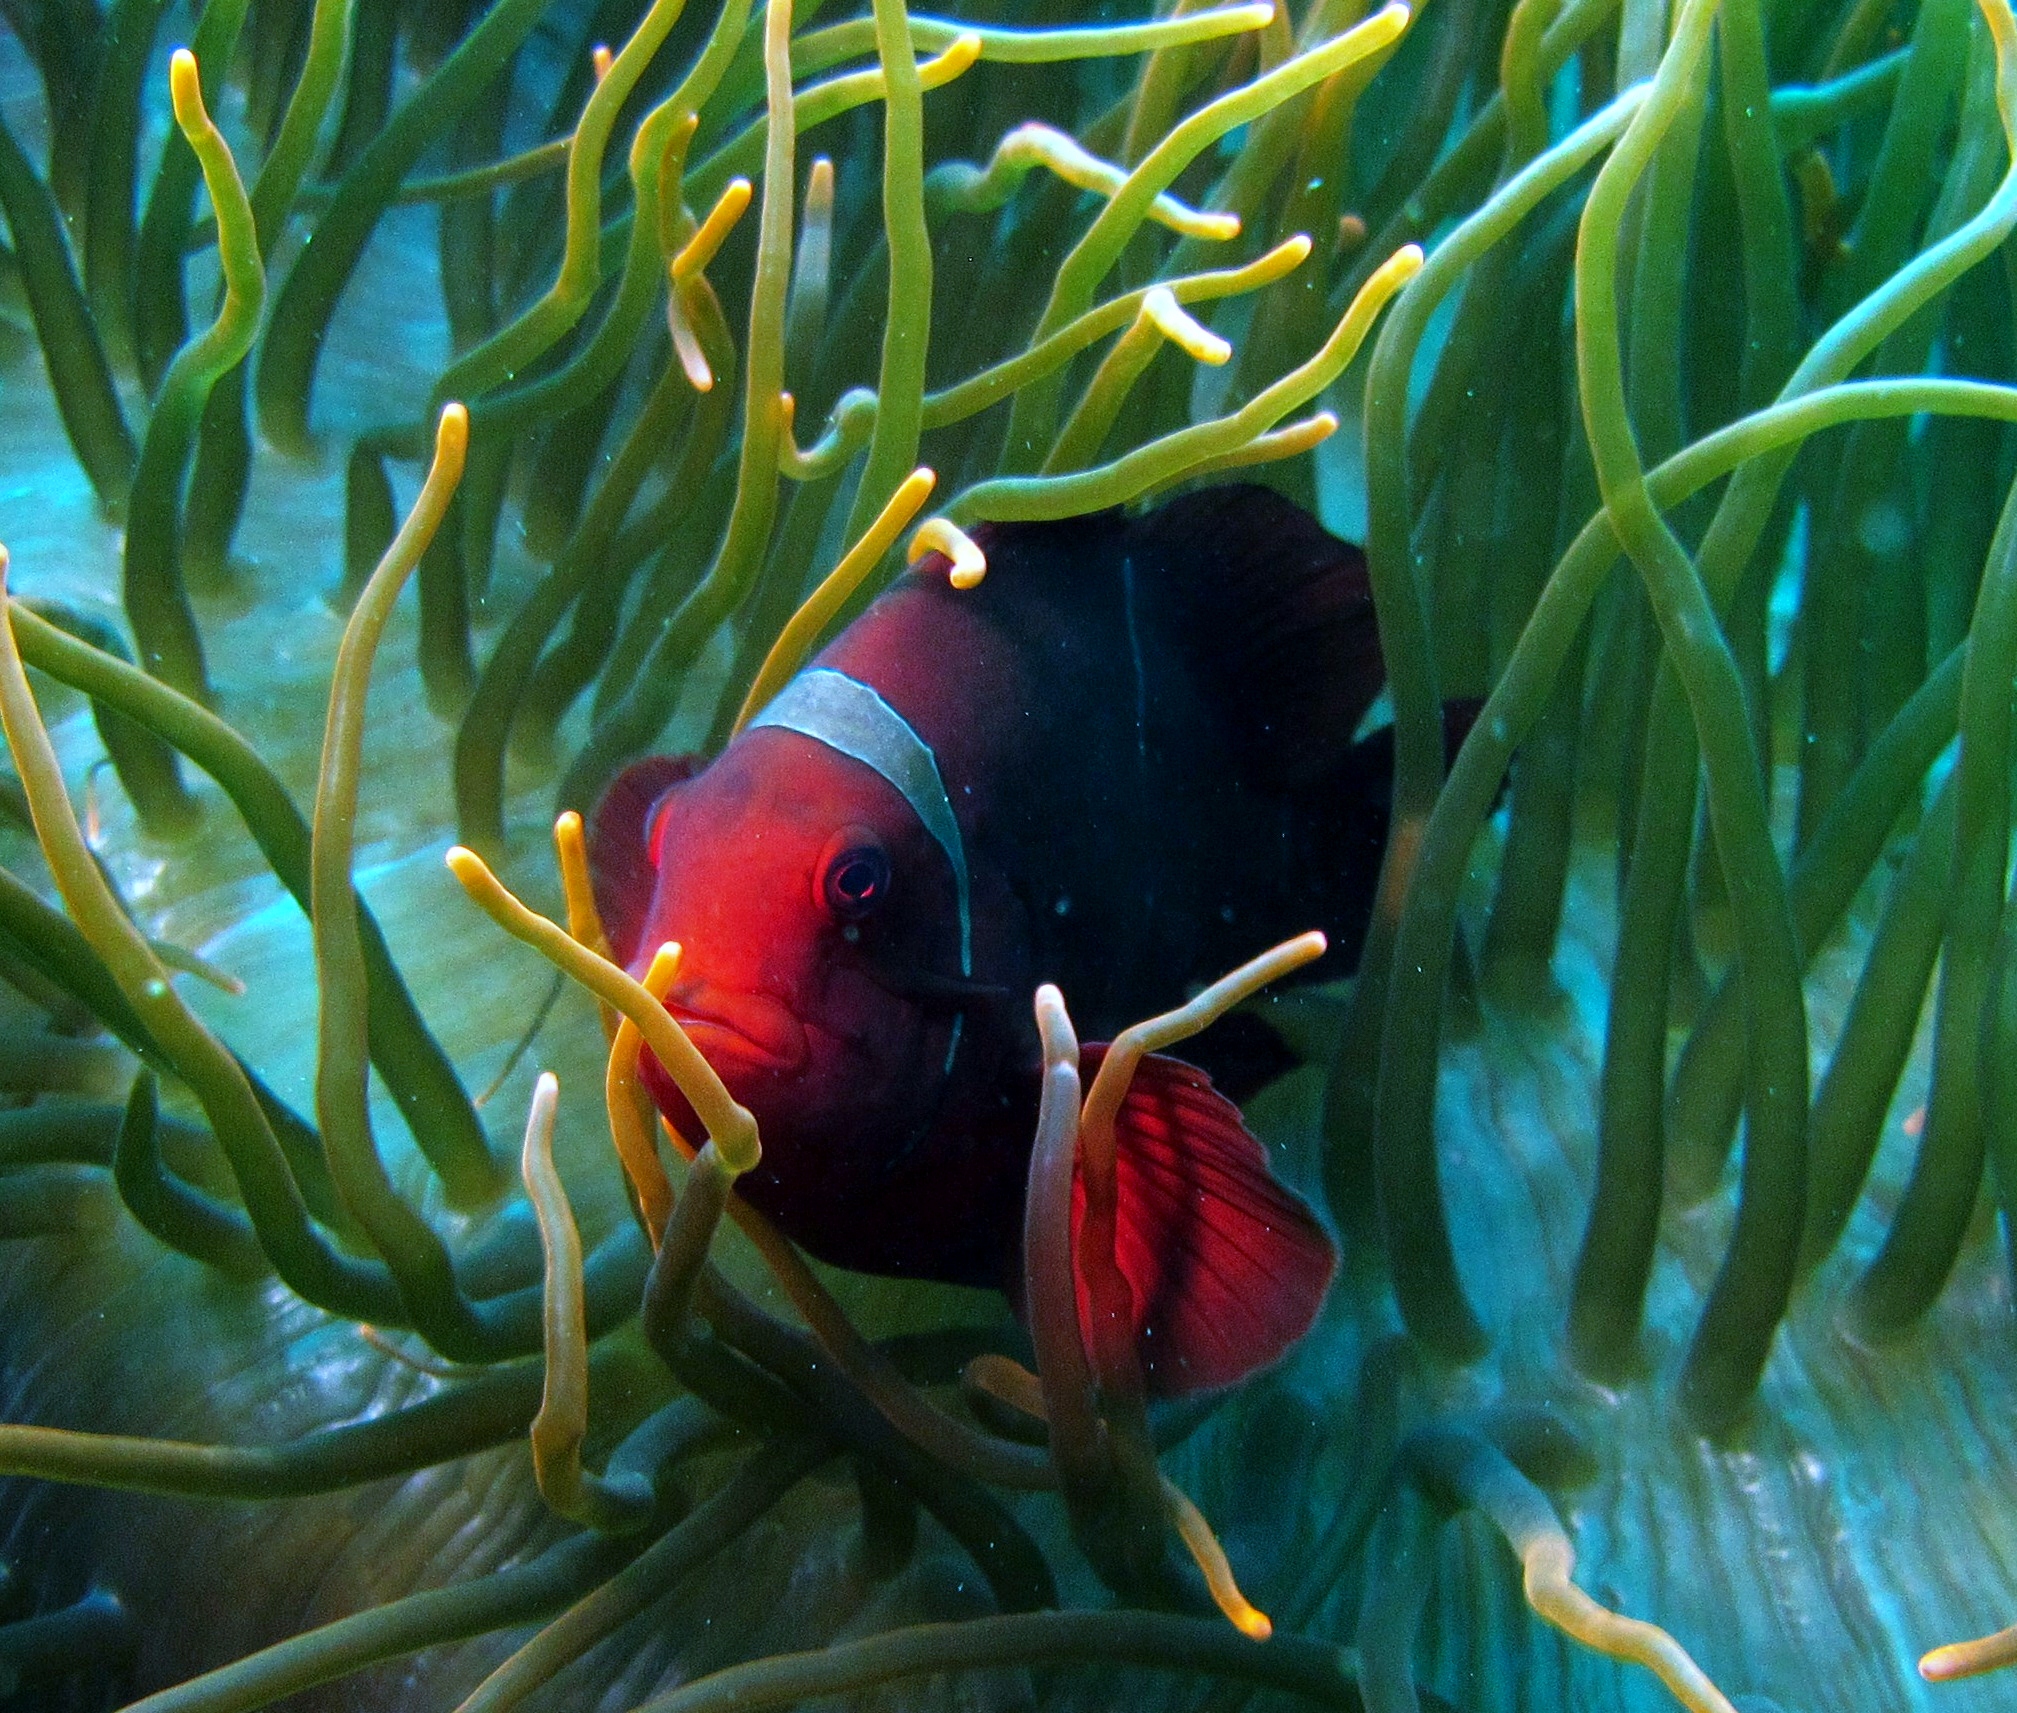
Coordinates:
column 942, row 535
column 1253, row 1623
column 1176, row 324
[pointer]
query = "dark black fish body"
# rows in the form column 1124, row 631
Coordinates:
column 1147, row 726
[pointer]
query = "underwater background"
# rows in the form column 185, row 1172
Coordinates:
column 1667, row 1127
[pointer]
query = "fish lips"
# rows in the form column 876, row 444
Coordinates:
column 772, row 1042
column 745, row 1044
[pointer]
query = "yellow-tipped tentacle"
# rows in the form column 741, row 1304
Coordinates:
column 1211, row 1560
column 701, row 248
column 1182, row 329
column 1549, row 1561
column 1009, row 1382
column 630, row 1113
column 1034, row 144
column 1291, row 440
column 1117, row 1070
column 562, row 1422
column 728, row 1122
column 942, row 535
column 1078, row 1438
column 803, row 629
column 584, row 920
column 1006, row 1381
column 1954, row 1660
column 570, row 849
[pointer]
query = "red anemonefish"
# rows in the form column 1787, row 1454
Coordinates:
column 1124, row 764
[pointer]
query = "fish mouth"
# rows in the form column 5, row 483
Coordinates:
column 760, row 1034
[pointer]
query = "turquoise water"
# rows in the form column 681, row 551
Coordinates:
column 1858, row 1513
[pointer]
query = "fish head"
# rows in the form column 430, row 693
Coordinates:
column 820, row 951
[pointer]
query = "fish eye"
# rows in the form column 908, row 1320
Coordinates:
column 853, row 876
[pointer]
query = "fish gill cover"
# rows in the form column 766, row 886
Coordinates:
column 632, row 335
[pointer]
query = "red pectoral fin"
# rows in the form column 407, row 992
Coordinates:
column 1227, row 1266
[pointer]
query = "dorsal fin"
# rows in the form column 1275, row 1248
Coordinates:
column 619, row 865
column 1275, row 613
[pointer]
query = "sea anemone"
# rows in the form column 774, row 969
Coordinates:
column 1672, row 1295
